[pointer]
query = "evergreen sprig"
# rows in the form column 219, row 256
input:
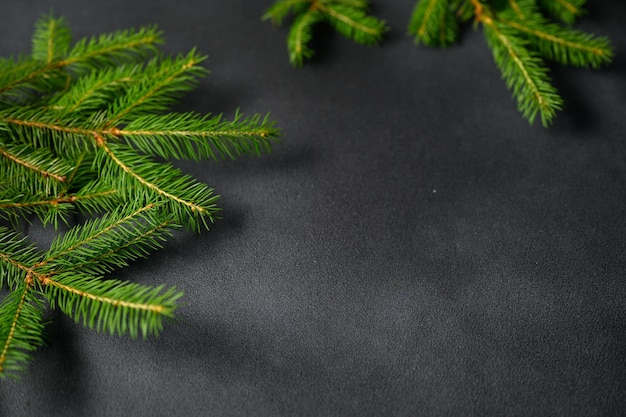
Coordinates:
column 349, row 17
column 84, row 128
column 520, row 38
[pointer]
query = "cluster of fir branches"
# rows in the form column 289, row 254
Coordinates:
column 84, row 129
column 517, row 31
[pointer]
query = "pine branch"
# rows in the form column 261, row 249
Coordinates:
column 565, row 10
column 68, row 273
column 112, row 306
column 70, row 135
column 192, row 202
column 282, row 8
column 433, row 23
column 23, row 77
column 519, row 37
column 33, row 169
column 52, row 39
column 349, row 17
column 300, row 35
column 96, row 90
column 195, row 136
column 79, row 127
column 21, row 330
column 464, row 9
column 111, row 241
column 163, row 82
column 353, row 23
column 524, row 74
column 16, row 256
column 112, row 49
column 562, row 44
column 16, row 205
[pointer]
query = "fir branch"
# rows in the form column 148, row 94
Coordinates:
column 22, row 77
column 21, row 329
column 16, row 256
column 51, row 40
column 97, row 90
column 523, row 73
column 433, row 23
column 109, row 242
column 195, row 136
column 44, row 128
column 279, row 10
column 74, row 121
column 88, row 54
column 565, row 10
column 93, row 197
column 463, row 9
column 300, row 35
column 515, row 7
column 33, row 169
column 111, row 306
column 349, row 17
column 519, row 37
column 192, row 202
column 353, row 23
column 564, row 45
column 163, row 82
column 113, row 49
column 16, row 205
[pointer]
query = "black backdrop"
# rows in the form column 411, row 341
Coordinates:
column 413, row 247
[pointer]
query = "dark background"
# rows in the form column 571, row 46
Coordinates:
column 413, row 247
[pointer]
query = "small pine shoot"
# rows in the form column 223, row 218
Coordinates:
column 520, row 37
column 84, row 128
column 349, row 17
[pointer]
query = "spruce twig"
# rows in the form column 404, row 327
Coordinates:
column 520, row 38
column 349, row 17
column 83, row 129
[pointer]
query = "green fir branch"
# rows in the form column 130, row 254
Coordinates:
column 34, row 169
column 464, row 9
column 112, row 306
column 15, row 205
column 193, row 203
column 163, row 83
column 195, row 136
column 520, row 37
column 433, row 23
column 349, row 17
column 111, row 241
column 282, row 8
column 21, row 330
column 43, row 128
column 565, row 45
column 80, row 128
column 300, row 36
column 96, row 90
column 524, row 74
column 566, row 11
column 52, row 39
column 23, row 78
column 16, row 257
column 113, row 49
column 353, row 22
